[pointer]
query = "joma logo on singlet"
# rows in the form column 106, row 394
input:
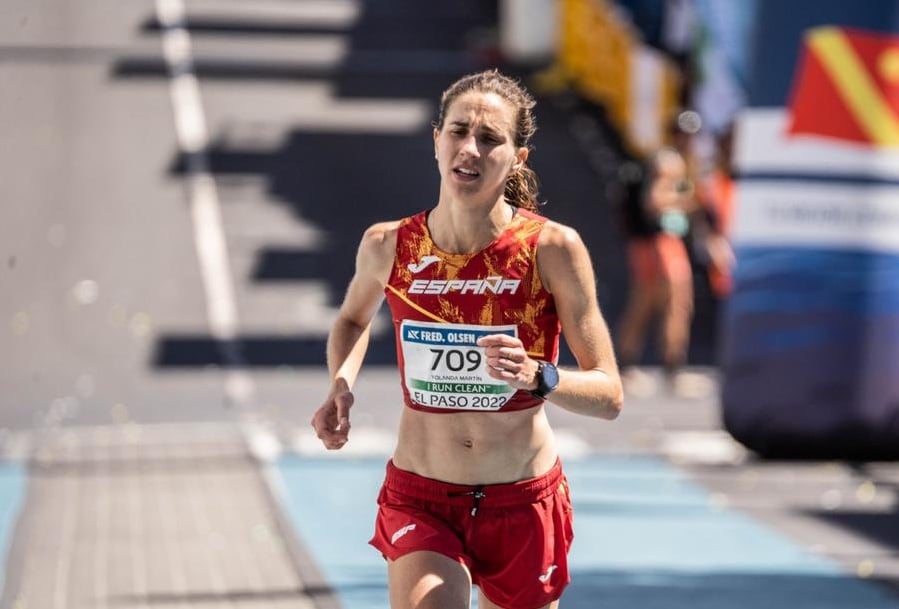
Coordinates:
column 491, row 285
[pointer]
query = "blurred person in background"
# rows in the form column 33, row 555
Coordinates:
column 657, row 207
column 480, row 288
column 709, row 171
column 674, row 221
column 716, row 197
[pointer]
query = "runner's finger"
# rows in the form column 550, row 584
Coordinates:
column 498, row 340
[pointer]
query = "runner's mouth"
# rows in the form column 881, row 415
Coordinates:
column 466, row 173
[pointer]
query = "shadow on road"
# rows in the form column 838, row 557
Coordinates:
column 341, row 182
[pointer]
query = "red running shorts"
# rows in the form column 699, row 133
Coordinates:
column 513, row 538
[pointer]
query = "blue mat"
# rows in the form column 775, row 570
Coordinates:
column 12, row 492
column 645, row 537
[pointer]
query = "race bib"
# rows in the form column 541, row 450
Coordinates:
column 444, row 367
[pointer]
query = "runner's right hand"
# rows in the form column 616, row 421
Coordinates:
column 332, row 420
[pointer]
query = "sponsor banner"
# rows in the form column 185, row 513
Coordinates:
column 838, row 215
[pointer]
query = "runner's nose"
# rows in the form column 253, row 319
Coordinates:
column 470, row 147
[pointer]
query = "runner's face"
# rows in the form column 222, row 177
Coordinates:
column 475, row 149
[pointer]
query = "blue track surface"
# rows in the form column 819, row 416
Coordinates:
column 646, row 538
column 12, row 491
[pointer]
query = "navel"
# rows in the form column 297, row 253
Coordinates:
column 467, row 443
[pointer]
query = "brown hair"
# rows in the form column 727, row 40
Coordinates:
column 521, row 185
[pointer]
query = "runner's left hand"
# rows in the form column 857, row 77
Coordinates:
column 508, row 361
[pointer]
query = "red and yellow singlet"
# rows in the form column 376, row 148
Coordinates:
column 442, row 303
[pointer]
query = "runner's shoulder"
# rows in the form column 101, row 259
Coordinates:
column 378, row 243
column 558, row 236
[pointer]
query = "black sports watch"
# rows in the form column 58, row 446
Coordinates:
column 547, row 379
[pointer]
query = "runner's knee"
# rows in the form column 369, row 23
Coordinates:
column 428, row 580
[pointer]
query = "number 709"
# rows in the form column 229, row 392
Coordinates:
column 456, row 359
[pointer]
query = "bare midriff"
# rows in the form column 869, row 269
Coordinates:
column 476, row 447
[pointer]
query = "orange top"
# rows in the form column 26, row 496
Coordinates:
column 441, row 303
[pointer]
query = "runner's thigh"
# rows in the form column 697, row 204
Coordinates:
column 428, row 580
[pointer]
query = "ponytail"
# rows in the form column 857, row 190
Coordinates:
column 521, row 189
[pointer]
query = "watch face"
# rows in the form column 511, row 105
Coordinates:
column 549, row 377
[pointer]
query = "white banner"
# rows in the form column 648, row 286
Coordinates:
column 817, row 214
column 764, row 146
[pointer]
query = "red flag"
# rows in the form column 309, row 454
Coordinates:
column 847, row 87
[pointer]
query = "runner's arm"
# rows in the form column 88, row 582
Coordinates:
column 348, row 339
column 349, row 335
column 594, row 388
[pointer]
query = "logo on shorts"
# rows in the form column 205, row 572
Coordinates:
column 545, row 577
column 425, row 262
column 401, row 532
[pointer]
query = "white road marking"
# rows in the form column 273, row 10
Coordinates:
column 330, row 13
column 262, row 442
column 702, row 447
column 209, row 235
